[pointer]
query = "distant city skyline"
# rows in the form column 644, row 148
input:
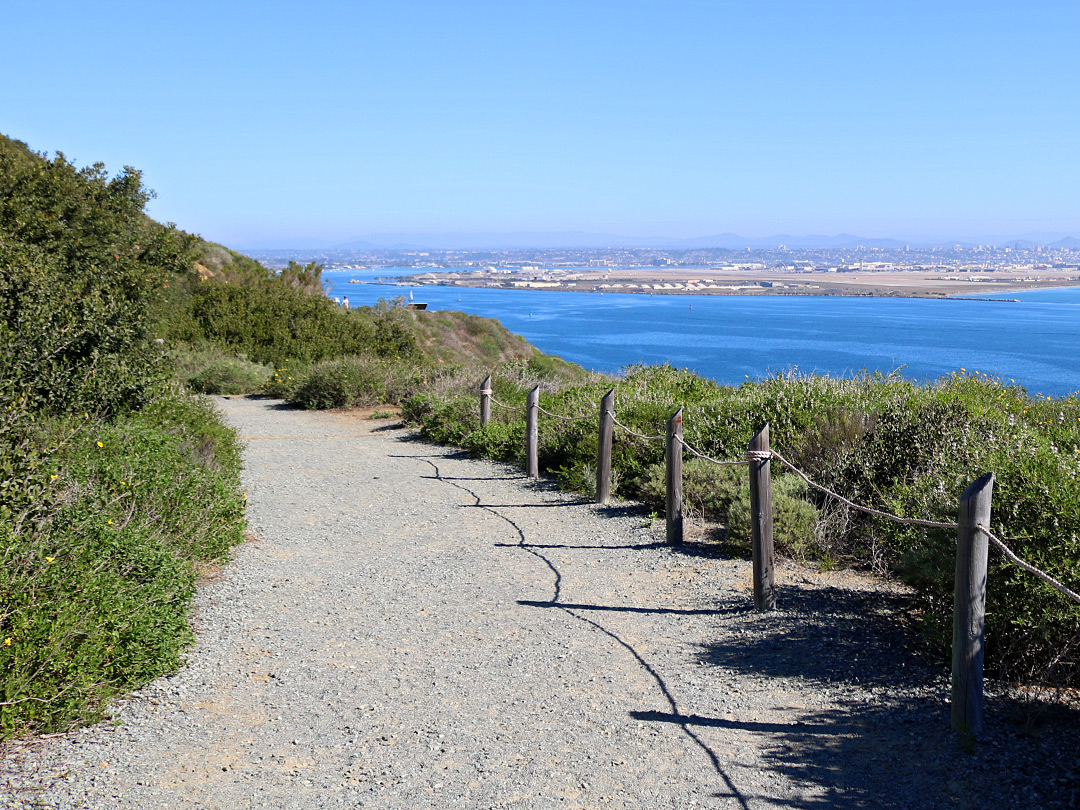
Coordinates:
column 581, row 239
column 335, row 122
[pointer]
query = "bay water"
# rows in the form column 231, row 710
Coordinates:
column 1034, row 342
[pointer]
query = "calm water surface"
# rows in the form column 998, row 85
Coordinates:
column 1034, row 342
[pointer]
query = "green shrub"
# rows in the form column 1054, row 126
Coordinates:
column 274, row 322
column 209, row 370
column 284, row 381
column 86, row 620
column 114, row 485
column 236, row 376
column 95, row 582
column 723, row 494
column 708, row 490
column 794, row 520
column 82, row 271
column 349, row 382
column 504, row 441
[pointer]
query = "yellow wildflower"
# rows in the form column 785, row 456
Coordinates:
column 110, row 521
column 7, row 641
column 49, row 559
column 99, row 444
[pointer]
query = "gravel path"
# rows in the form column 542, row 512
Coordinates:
column 414, row 629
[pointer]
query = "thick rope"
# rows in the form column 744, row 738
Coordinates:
column 565, row 418
column 701, row 455
column 997, row 541
column 632, row 433
column 933, row 524
column 507, row 407
column 765, row 455
column 1031, row 569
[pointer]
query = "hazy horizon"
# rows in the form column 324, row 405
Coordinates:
column 583, row 240
column 921, row 121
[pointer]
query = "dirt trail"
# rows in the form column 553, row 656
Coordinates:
column 414, row 629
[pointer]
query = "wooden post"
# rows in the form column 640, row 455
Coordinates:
column 673, row 453
column 603, row 451
column 969, row 606
column 761, row 521
column 485, row 401
column 532, row 416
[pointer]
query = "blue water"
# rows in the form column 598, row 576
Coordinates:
column 729, row 338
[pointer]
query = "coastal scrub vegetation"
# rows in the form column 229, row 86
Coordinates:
column 116, row 485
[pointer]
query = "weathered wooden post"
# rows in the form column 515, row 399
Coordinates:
column 761, row 520
column 969, row 606
column 532, row 440
column 603, row 451
column 673, row 454
column 485, row 401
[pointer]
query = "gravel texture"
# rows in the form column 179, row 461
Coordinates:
column 410, row 628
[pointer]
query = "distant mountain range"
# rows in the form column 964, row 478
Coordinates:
column 583, row 240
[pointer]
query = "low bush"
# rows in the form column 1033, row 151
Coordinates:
column 105, row 525
column 349, row 382
column 285, row 380
column 723, row 494
column 274, row 321
column 230, row 377
column 211, row 371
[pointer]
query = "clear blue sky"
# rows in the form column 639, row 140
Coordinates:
column 260, row 122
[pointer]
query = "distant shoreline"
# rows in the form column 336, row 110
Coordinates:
column 700, row 281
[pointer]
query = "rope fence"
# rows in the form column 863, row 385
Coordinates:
column 973, row 532
column 765, row 455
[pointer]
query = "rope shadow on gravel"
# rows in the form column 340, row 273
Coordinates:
column 708, row 550
column 389, row 428
column 527, row 505
column 572, row 547
column 852, row 756
column 631, row 609
column 889, row 725
column 897, row 752
column 732, row 790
